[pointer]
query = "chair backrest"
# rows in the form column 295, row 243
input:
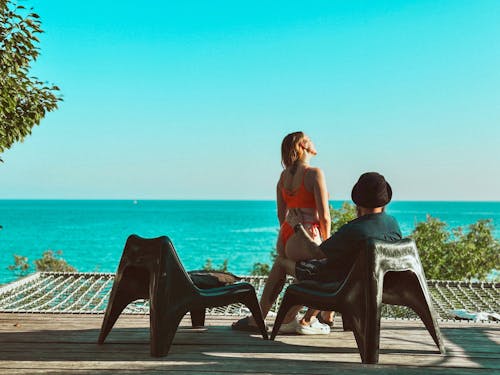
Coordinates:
column 401, row 272
column 384, row 269
column 393, row 256
column 174, row 264
column 159, row 257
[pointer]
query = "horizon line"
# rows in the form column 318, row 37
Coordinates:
column 230, row 200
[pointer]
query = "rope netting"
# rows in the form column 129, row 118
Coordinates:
column 88, row 293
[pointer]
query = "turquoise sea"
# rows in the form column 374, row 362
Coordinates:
column 92, row 234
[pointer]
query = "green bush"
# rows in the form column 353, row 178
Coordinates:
column 20, row 267
column 49, row 262
column 343, row 215
column 459, row 254
column 260, row 269
column 210, row 267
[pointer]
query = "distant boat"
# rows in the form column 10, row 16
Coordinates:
column 134, row 202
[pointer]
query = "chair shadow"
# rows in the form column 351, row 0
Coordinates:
column 474, row 341
column 81, row 345
column 223, row 350
column 481, row 355
column 78, row 342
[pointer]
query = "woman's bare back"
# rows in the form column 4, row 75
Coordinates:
column 291, row 183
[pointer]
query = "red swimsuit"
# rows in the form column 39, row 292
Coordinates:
column 299, row 198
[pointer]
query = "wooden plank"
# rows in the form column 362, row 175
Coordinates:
column 233, row 364
column 184, row 335
column 140, row 352
column 90, row 350
column 42, row 343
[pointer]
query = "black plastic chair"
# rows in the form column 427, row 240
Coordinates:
column 150, row 269
column 383, row 273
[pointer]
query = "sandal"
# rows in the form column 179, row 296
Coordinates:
column 313, row 328
column 323, row 321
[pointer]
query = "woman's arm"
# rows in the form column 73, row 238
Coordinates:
column 281, row 205
column 301, row 245
column 322, row 204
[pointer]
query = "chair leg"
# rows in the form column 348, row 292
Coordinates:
column 130, row 284
column 357, row 326
column 286, row 304
column 412, row 291
column 421, row 303
column 371, row 345
column 198, row 317
column 432, row 327
column 118, row 300
column 346, row 322
column 253, row 305
column 371, row 321
column 163, row 328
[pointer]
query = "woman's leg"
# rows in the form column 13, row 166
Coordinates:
column 296, row 252
column 272, row 288
column 289, row 266
column 274, row 284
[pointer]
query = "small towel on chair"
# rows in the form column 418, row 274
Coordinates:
column 480, row 316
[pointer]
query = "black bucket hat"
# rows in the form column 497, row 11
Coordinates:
column 371, row 190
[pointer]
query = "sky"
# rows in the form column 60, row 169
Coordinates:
column 191, row 99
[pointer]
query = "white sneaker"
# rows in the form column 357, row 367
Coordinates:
column 289, row 327
column 313, row 328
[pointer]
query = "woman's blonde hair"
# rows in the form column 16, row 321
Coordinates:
column 291, row 149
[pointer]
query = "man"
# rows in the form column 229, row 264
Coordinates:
column 336, row 256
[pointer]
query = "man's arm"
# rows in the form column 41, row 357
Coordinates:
column 303, row 239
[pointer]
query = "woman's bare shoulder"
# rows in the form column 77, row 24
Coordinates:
column 313, row 178
column 314, row 173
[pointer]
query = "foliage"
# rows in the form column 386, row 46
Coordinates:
column 210, row 267
column 260, row 269
column 458, row 254
column 342, row 216
column 24, row 100
column 20, row 266
column 263, row 269
column 49, row 262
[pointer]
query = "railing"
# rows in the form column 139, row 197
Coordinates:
column 88, row 293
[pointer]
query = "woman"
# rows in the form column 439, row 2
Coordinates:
column 303, row 188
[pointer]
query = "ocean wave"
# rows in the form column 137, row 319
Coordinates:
column 256, row 230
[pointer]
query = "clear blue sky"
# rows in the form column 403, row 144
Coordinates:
column 185, row 99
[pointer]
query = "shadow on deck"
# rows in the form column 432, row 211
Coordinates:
column 43, row 343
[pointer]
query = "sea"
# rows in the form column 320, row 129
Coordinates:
column 91, row 233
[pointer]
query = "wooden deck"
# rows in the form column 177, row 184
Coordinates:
column 44, row 343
